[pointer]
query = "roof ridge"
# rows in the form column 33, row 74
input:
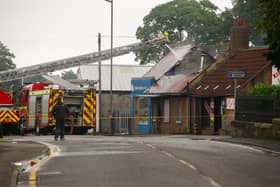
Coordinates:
column 254, row 48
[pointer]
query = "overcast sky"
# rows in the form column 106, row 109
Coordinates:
column 38, row 31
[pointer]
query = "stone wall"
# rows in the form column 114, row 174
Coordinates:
column 256, row 129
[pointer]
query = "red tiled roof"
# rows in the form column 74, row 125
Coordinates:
column 216, row 83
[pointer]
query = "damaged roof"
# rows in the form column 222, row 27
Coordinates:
column 169, row 81
column 168, row 62
column 217, row 83
column 174, row 84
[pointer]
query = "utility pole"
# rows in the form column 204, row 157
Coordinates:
column 235, row 97
column 99, row 80
column 111, row 70
column 111, row 67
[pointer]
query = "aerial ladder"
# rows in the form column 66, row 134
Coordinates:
column 75, row 61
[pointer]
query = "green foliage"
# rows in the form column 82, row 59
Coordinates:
column 270, row 25
column 33, row 79
column 249, row 10
column 198, row 19
column 6, row 63
column 6, row 57
column 69, row 75
column 263, row 90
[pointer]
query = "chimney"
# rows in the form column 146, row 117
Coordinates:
column 239, row 36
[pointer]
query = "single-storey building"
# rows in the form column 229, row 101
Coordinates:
column 121, row 91
column 159, row 103
column 212, row 92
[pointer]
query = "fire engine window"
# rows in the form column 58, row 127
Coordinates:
column 143, row 110
column 24, row 96
column 38, row 105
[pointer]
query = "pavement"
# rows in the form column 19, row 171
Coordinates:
column 267, row 145
column 18, row 151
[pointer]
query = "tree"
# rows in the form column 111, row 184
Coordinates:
column 249, row 10
column 227, row 19
column 69, row 75
column 33, row 79
column 6, row 63
column 189, row 20
column 270, row 25
column 6, row 57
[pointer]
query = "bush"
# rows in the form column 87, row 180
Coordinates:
column 263, row 90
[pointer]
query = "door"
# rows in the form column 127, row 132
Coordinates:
column 156, row 116
column 38, row 113
column 217, row 112
column 144, row 115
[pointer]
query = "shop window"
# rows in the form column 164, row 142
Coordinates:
column 166, row 111
column 143, row 110
column 178, row 112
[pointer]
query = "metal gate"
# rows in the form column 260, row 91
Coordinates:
column 121, row 121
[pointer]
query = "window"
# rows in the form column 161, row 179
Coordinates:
column 178, row 111
column 143, row 110
column 166, row 111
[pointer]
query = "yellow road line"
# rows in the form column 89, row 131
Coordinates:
column 32, row 178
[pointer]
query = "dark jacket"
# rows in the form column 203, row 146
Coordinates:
column 60, row 111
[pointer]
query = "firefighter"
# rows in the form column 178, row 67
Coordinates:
column 60, row 112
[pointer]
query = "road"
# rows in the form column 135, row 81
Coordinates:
column 154, row 161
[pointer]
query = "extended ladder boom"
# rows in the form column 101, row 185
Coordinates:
column 74, row 61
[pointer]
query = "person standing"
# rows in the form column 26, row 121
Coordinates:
column 60, row 112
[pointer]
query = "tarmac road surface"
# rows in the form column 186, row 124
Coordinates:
column 154, row 161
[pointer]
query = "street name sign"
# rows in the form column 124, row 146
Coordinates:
column 235, row 74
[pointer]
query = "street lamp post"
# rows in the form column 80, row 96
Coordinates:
column 111, row 64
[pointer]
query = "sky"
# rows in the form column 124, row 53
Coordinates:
column 39, row 31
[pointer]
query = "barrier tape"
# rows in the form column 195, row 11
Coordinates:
column 146, row 117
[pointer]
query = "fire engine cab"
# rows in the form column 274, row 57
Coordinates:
column 8, row 114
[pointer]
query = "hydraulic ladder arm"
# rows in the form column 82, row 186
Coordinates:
column 75, row 61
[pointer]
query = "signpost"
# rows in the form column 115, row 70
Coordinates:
column 235, row 75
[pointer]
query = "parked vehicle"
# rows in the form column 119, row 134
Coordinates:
column 34, row 111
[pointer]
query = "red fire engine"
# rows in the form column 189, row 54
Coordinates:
column 8, row 114
column 38, row 99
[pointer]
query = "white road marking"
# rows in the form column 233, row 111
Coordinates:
column 151, row 146
column 49, row 173
column 213, row 182
column 115, row 147
column 64, row 154
column 107, row 143
column 168, row 154
column 238, row 145
column 188, row 164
